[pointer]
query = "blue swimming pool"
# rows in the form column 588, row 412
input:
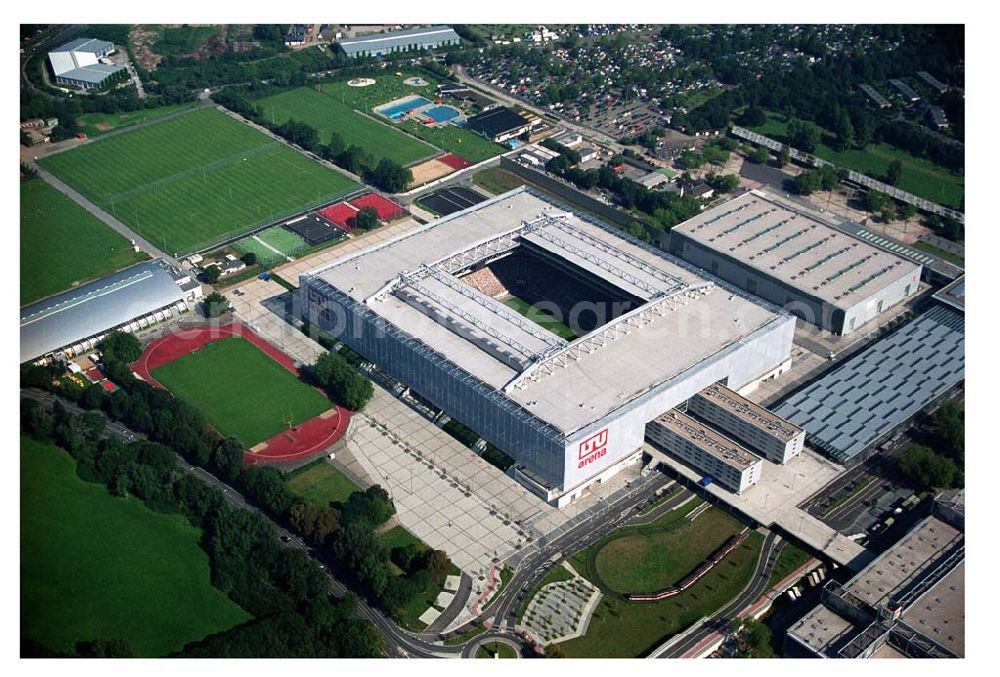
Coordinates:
column 401, row 108
column 441, row 113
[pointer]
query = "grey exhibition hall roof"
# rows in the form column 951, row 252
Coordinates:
column 953, row 294
column 783, row 241
column 96, row 307
column 94, row 73
column 367, row 43
column 588, row 388
column 92, row 45
column 849, row 408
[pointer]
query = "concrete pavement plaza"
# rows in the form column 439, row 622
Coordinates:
column 431, row 505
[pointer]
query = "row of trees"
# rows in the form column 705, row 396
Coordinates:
column 384, row 174
column 283, row 589
column 346, row 531
column 665, row 209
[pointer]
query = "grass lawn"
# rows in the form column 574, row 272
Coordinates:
column 326, row 114
column 462, row 142
column 496, row 650
column 193, row 180
column 937, row 251
column 540, row 317
column 95, row 566
column 409, row 615
column 285, row 241
column 241, row 391
column 496, row 180
column 920, row 177
column 621, row 629
column 789, row 559
column 320, row 483
column 62, row 244
column 646, row 559
column 95, row 124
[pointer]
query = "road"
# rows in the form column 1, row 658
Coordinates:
column 533, row 568
column 397, row 642
column 719, row 622
column 106, row 218
column 527, row 575
column 463, row 76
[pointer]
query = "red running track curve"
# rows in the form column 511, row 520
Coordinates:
column 302, row 440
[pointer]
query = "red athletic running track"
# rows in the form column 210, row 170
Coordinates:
column 304, row 439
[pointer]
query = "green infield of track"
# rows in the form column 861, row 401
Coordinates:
column 191, row 181
column 62, row 244
column 98, row 567
column 389, row 87
column 540, row 317
column 241, row 391
column 326, row 114
column 321, row 484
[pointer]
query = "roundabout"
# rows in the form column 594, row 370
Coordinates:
column 493, row 645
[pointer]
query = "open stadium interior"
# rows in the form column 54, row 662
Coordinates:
column 567, row 411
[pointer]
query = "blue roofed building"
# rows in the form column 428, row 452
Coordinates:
column 380, row 44
column 78, row 63
column 854, row 406
column 75, row 321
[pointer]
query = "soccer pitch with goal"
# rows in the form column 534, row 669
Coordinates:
column 196, row 179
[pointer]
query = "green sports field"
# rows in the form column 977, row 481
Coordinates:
column 321, row 484
column 540, row 317
column 98, row 567
column 285, row 241
column 95, row 124
column 326, row 114
column 62, row 244
column 242, row 392
column 188, row 182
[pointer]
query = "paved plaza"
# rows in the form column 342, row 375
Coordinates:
column 561, row 610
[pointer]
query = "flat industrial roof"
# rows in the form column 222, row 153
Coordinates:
column 95, row 307
column 708, row 440
column 940, row 612
column 821, row 627
column 699, row 325
column 391, row 39
column 785, row 242
column 898, row 565
column 752, row 413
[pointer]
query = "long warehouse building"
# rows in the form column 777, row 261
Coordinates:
column 390, row 42
column 438, row 308
column 75, row 321
column 777, row 250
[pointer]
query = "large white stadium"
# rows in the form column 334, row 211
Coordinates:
column 432, row 308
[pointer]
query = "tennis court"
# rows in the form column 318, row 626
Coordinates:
column 450, row 200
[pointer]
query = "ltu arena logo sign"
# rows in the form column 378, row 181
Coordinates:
column 593, row 448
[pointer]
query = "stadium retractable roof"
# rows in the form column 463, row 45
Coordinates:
column 409, row 281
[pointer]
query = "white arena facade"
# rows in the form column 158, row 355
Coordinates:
column 432, row 309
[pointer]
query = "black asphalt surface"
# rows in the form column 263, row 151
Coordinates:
column 447, row 201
